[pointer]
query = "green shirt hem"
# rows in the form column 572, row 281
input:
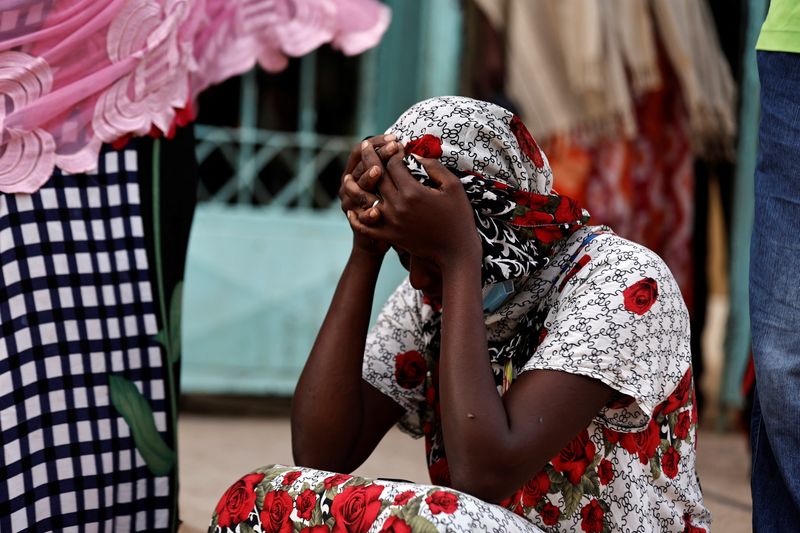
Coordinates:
column 779, row 41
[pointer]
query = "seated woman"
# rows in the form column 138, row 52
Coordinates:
column 546, row 362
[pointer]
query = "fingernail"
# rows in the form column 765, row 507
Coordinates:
column 375, row 171
column 348, row 176
column 417, row 157
column 373, row 213
column 364, row 145
column 349, row 213
column 391, row 147
column 390, row 137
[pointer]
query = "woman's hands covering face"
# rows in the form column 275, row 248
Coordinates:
column 435, row 224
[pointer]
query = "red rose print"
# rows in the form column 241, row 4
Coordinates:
column 439, row 472
column 683, row 425
column 548, row 234
column 592, row 517
column 335, row 479
column 305, row 503
column 579, row 264
column 537, row 202
column 426, row 146
column 550, row 514
column 291, row 477
column 276, row 513
column 356, row 508
column 532, row 218
column 514, row 499
column 535, row 489
column 237, row 502
column 680, row 396
column 442, row 502
column 669, row 462
column 568, row 210
column 644, row 443
column 576, row 456
column 641, row 296
column 395, row 524
column 526, row 142
column 605, row 471
column 403, row 497
column 315, row 529
column 409, row 369
column 542, row 335
column 689, row 528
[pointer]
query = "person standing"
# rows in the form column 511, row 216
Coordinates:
column 774, row 272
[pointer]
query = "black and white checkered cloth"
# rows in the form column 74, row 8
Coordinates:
column 76, row 305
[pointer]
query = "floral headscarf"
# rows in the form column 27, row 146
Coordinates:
column 505, row 175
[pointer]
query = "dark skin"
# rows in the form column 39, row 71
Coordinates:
column 494, row 444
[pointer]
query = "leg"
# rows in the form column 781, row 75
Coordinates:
column 283, row 498
column 775, row 295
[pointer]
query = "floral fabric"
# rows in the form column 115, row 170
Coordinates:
column 609, row 309
column 282, row 499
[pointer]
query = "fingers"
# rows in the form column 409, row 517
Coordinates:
column 373, row 159
column 363, row 229
column 354, row 198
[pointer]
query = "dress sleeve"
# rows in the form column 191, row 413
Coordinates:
column 620, row 319
column 394, row 361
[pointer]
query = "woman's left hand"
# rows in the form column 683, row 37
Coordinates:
column 436, row 224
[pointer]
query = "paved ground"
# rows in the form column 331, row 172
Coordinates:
column 215, row 450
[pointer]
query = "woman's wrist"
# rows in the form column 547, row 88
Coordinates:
column 367, row 258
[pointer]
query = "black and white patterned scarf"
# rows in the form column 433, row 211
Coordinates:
column 505, row 175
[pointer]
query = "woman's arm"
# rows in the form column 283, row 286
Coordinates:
column 337, row 418
column 493, row 444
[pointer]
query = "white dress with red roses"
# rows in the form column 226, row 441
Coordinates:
column 610, row 310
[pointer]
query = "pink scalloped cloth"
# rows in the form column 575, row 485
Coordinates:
column 75, row 74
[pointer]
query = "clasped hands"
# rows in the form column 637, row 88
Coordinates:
column 386, row 206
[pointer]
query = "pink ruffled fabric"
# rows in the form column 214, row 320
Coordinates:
column 75, row 74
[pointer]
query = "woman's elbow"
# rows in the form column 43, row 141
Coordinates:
column 486, row 485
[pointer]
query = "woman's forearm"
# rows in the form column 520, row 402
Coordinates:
column 474, row 419
column 327, row 405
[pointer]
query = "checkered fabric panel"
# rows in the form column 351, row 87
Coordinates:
column 76, row 305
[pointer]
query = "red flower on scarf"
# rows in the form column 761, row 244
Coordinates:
column 568, row 210
column 291, row 477
column 689, row 528
column 237, row 502
column 605, row 471
column 592, row 517
column 530, row 199
column 542, row 334
column 550, row 514
column 535, row 489
column 644, row 443
column 683, row 425
column 641, row 296
column 426, row 146
column 403, row 497
column 669, row 462
column 442, row 502
column 335, row 479
column 575, row 457
column 409, row 369
column 532, row 217
column 276, row 513
column 315, row 529
column 356, row 508
column 395, row 524
column 305, row 503
column 439, row 472
column 680, row 396
column 526, row 142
